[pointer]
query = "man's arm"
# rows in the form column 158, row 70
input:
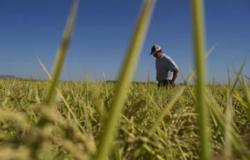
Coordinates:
column 175, row 73
column 174, row 68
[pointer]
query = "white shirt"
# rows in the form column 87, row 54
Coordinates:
column 163, row 66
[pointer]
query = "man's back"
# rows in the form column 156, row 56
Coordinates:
column 164, row 65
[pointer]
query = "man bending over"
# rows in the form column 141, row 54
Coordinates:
column 164, row 65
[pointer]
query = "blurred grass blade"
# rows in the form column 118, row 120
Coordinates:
column 228, row 128
column 61, row 95
column 211, row 50
column 125, row 77
column 199, row 48
column 61, row 54
column 192, row 72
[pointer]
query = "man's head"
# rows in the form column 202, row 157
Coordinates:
column 156, row 51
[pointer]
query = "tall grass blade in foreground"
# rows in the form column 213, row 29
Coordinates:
column 61, row 54
column 199, row 48
column 125, row 77
column 61, row 96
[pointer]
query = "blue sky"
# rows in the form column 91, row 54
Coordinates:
column 103, row 29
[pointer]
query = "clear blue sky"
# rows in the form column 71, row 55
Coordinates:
column 103, row 29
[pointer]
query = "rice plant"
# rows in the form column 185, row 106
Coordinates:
column 84, row 120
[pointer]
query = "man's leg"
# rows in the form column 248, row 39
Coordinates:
column 163, row 83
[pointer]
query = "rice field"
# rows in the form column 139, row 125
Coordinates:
column 150, row 127
column 54, row 119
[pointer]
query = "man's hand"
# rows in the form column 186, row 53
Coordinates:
column 171, row 83
column 175, row 73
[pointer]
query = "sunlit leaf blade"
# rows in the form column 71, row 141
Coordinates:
column 200, row 66
column 125, row 77
column 61, row 54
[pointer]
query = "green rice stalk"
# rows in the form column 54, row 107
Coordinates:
column 246, row 91
column 238, row 77
column 199, row 48
column 166, row 110
column 61, row 54
column 245, row 105
column 228, row 128
column 247, row 96
column 61, row 96
column 237, row 142
column 125, row 77
column 219, row 119
column 151, row 151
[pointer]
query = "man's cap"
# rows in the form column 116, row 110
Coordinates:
column 155, row 48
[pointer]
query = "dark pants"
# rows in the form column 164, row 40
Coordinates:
column 164, row 83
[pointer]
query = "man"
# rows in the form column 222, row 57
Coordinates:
column 164, row 64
